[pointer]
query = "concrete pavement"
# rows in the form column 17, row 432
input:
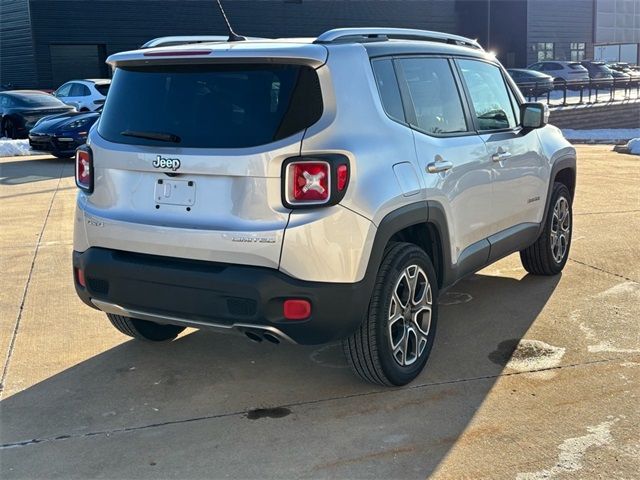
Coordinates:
column 80, row 400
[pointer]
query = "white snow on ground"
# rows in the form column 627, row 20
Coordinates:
column 601, row 134
column 634, row 146
column 12, row 148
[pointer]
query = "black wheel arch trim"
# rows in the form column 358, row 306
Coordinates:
column 562, row 163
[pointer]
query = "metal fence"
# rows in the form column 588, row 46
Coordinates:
column 576, row 92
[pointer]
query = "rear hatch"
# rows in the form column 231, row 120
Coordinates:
column 189, row 148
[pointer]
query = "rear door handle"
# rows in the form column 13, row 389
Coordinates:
column 500, row 155
column 439, row 165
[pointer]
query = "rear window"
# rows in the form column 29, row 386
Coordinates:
column 576, row 66
column 210, row 106
column 38, row 100
column 103, row 89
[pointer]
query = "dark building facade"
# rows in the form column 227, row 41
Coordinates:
column 44, row 43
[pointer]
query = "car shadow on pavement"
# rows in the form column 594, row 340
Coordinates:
column 35, row 170
column 214, row 386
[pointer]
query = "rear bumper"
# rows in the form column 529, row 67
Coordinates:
column 202, row 294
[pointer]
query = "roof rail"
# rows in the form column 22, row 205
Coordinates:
column 183, row 40
column 358, row 34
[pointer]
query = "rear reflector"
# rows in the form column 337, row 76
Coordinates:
column 80, row 278
column 296, row 309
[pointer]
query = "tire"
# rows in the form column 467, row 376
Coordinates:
column 370, row 350
column 144, row 330
column 62, row 156
column 9, row 129
column 549, row 254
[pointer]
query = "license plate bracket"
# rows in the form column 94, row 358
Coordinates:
column 175, row 192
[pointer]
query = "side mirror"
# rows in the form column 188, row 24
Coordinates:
column 534, row 115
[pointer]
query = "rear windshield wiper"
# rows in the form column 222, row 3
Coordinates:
column 161, row 136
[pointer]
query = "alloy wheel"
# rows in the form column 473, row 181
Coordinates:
column 560, row 229
column 409, row 319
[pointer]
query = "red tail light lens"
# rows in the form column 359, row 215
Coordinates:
column 317, row 181
column 84, row 169
column 310, row 182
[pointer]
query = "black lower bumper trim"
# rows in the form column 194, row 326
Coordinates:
column 219, row 293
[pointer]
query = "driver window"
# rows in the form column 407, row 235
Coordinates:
column 489, row 95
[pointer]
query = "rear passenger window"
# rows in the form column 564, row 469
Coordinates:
column 388, row 88
column 489, row 96
column 79, row 90
column 433, row 95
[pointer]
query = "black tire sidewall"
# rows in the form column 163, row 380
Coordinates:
column 395, row 373
column 155, row 332
column 9, row 129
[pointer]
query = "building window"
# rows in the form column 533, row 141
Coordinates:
column 545, row 51
column 577, row 51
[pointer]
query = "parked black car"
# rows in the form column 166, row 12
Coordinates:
column 21, row 109
column 531, row 82
column 62, row 134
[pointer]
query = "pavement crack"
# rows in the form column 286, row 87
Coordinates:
column 386, row 391
column 603, row 270
column 605, row 213
column 14, row 333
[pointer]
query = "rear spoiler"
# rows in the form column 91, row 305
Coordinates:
column 224, row 52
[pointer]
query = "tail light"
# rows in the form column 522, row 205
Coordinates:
column 314, row 181
column 84, row 169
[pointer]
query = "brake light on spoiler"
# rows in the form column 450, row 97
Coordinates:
column 177, row 53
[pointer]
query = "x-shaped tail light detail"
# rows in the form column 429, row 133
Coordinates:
column 313, row 182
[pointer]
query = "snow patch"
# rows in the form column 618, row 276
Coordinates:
column 573, row 450
column 12, row 148
column 624, row 288
column 531, row 355
column 634, row 146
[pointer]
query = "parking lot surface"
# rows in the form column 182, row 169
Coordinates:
column 530, row 377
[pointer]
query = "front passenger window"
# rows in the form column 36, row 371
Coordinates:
column 489, row 96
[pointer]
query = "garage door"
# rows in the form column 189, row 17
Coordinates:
column 69, row 62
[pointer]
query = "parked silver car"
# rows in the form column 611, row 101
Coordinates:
column 568, row 71
column 314, row 190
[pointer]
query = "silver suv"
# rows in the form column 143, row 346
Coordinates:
column 314, row 190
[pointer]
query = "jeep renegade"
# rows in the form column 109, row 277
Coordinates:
column 314, row 190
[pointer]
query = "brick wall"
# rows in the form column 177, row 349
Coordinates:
column 618, row 115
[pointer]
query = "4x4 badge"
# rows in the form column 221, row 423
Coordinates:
column 161, row 162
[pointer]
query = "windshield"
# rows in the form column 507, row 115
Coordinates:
column 210, row 106
column 38, row 100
